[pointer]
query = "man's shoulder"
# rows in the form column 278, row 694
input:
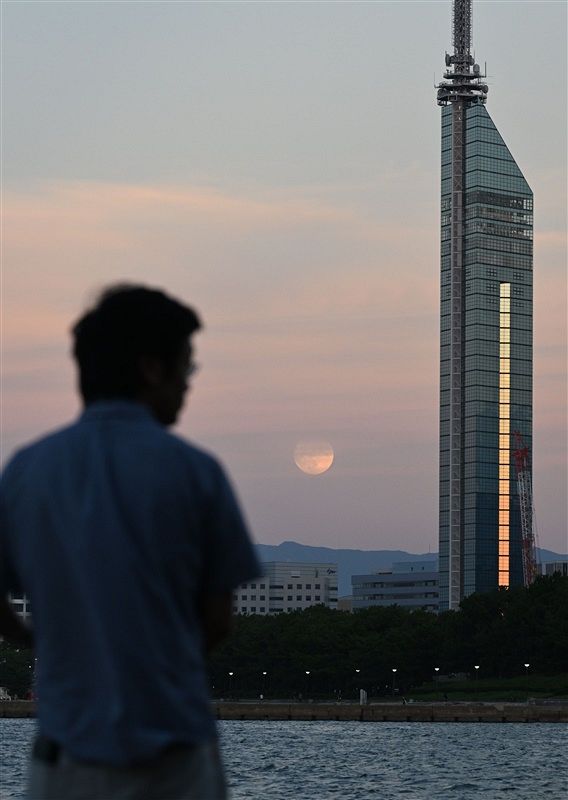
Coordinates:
column 35, row 458
column 196, row 457
column 163, row 447
column 43, row 444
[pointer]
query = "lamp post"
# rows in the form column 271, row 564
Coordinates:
column 394, row 670
column 476, row 668
column 231, row 683
column 307, row 684
column 527, row 679
column 357, row 688
column 262, row 688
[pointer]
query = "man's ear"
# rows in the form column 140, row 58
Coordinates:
column 151, row 370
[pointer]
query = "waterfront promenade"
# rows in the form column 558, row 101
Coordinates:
column 465, row 711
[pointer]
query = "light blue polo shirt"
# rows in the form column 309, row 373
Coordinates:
column 117, row 530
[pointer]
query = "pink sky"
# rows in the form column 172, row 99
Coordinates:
column 318, row 323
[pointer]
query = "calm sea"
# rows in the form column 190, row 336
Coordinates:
column 353, row 760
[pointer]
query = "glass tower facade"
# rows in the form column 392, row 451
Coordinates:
column 486, row 348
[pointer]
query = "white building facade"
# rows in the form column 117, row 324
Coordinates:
column 288, row 586
column 409, row 584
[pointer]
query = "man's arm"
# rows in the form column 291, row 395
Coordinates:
column 216, row 619
column 11, row 626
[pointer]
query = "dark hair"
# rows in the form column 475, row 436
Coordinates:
column 128, row 321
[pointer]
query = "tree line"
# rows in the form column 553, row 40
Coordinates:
column 320, row 652
column 324, row 653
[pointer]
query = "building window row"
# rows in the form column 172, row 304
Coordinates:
column 487, row 242
column 488, row 198
column 479, row 178
column 493, row 229
column 478, row 258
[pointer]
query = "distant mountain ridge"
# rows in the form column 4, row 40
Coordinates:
column 356, row 562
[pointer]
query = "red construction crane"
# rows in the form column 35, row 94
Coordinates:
column 522, row 465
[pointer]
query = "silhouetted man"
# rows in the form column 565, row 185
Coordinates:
column 128, row 542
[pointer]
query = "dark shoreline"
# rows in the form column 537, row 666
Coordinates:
column 543, row 711
column 397, row 712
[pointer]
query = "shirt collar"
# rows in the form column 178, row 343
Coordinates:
column 116, row 409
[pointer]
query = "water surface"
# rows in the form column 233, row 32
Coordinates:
column 354, row 761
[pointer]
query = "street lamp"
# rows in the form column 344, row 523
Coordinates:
column 527, row 679
column 231, row 683
column 307, row 684
column 357, row 688
column 393, row 680
column 264, row 674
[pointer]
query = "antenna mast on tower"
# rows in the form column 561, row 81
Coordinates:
column 462, row 79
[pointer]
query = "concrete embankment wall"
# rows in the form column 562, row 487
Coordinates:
column 377, row 712
column 394, row 712
column 17, row 709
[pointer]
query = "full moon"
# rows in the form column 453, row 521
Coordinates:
column 313, row 458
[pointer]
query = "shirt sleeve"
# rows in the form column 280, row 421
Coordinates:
column 229, row 557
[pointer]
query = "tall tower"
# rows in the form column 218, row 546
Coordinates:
column 486, row 334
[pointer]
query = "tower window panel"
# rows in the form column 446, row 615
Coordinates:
column 504, row 456
column 504, row 426
column 504, row 396
column 504, row 470
column 504, row 518
column 503, row 502
column 503, row 487
column 504, row 320
column 503, row 548
column 504, row 350
column 505, row 305
column 505, row 380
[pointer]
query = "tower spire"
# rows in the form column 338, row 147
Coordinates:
column 461, row 14
column 462, row 79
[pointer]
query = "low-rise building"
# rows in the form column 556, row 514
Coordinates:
column 408, row 584
column 345, row 603
column 288, row 586
column 552, row 567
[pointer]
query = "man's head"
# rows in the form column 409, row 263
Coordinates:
column 135, row 344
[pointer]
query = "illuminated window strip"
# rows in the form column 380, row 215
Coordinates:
column 504, row 432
